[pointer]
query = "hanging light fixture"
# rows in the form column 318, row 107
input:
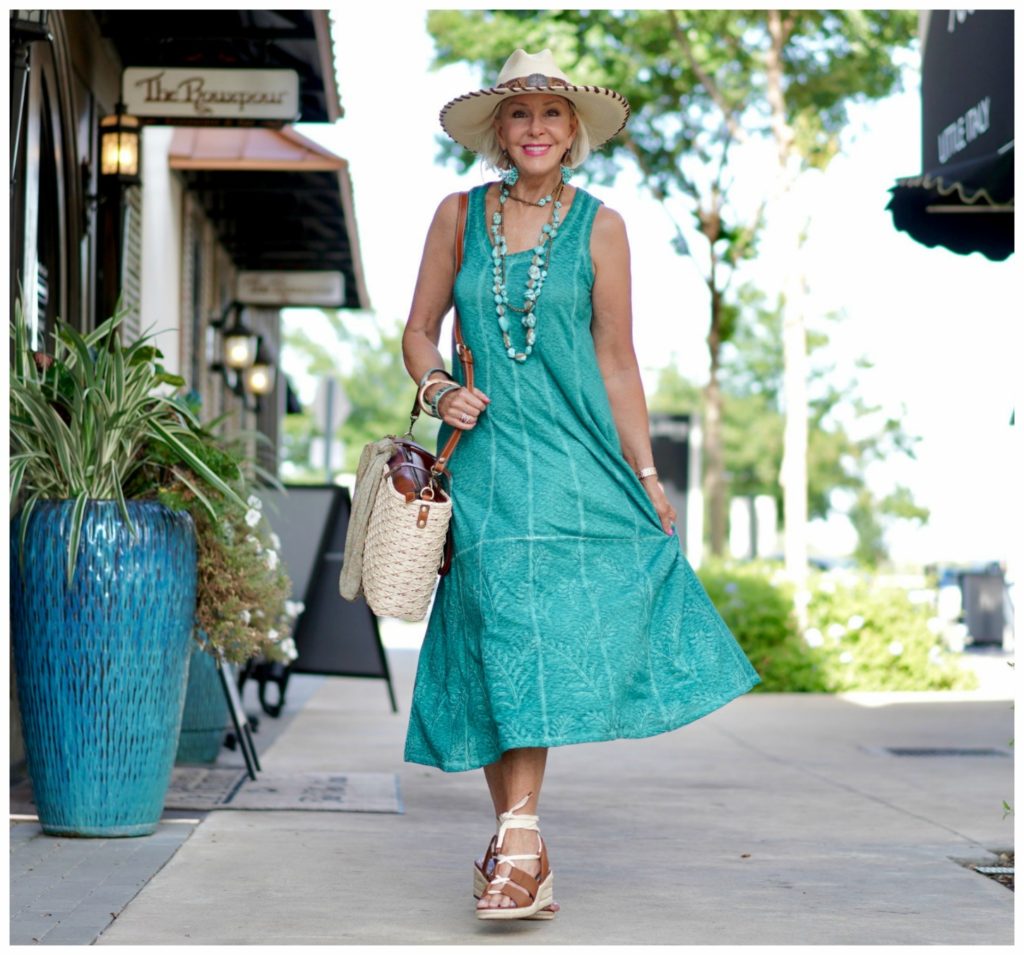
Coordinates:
column 120, row 135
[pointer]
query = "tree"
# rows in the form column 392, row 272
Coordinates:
column 754, row 423
column 378, row 388
column 871, row 516
column 702, row 82
column 679, row 152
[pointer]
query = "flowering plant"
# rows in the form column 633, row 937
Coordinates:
column 242, row 603
column 242, row 598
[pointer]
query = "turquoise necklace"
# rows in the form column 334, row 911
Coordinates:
column 536, row 274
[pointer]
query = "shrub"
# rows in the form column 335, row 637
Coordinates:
column 867, row 636
column 759, row 612
column 860, row 635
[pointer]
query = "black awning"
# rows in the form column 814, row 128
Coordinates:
column 964, row 198
column 967, row 207
column 297, row 40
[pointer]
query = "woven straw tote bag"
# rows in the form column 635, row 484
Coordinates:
column 404, row 548
column 407, row 529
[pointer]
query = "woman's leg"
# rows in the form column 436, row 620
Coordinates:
column 516, row 773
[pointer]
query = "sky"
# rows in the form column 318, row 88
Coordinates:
column 941, row 329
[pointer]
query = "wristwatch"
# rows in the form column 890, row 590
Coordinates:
column 646, row 473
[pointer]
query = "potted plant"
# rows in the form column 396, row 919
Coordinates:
column 103, row 575
column 242, row 606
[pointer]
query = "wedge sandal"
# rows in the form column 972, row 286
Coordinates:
column 483, row 872
column 532, row 896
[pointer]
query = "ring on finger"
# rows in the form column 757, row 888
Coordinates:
column 465, row 418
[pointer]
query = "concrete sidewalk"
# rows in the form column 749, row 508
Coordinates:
column 780, row 819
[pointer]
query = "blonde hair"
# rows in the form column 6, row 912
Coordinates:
column 494, row 156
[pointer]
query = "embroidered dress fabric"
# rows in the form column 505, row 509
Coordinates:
column 568, row 615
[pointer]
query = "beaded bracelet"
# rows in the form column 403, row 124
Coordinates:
column 438, row 395
column 430, row 371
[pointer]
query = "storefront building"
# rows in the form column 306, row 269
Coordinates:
column 213, row 213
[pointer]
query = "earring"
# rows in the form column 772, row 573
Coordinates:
column 510, row 176
column 567, row 171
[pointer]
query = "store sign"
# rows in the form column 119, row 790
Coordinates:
column 200, row 97
column 966, row 86
column 326, row 289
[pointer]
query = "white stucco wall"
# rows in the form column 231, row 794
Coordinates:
column 161, row 309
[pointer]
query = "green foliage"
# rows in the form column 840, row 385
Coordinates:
column 870, row 518
column 866, row 635
column 699, row 83
column 759, row 612
column 88, row 420
column 675, row 394
column 379, row 389
column 242, row 605
column 862, row 635
column 696, row 79
column 754, row 420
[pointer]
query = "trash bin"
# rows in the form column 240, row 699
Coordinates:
column 983, row 593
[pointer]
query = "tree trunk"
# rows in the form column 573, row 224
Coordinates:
column 794, row 460
column 794, row 457
column 714, row 455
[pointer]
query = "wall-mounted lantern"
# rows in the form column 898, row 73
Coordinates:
column 259, row 377
column 243, row 363
column 120, row 135
column 30, row 25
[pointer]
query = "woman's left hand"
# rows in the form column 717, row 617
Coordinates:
column 666, row 512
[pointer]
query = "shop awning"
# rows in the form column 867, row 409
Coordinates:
column 278, row 201
column 298, row 40
column 964, row 198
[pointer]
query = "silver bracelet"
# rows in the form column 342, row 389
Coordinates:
column 646, row 473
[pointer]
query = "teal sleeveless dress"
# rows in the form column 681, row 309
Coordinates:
column 568, row 615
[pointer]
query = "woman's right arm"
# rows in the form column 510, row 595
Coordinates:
column 430, row 303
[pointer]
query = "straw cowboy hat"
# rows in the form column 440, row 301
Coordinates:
column 466, row 118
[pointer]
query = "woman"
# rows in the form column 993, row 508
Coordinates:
column 569, row 614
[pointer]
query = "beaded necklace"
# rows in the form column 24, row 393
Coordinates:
column 537, row 272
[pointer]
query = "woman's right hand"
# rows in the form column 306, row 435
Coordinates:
column 462, row 408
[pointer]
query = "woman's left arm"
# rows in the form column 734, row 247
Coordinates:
column 612, row 329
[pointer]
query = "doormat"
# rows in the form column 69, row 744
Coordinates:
column 229, row 787
column 215, row 787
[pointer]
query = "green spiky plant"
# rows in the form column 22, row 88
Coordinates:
column 91, row 417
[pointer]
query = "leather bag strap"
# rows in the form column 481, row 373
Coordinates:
column 463, row 351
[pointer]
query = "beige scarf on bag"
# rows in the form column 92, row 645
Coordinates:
column 371, row 462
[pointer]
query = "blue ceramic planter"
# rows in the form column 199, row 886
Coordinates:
column 102, row 666
column 205, row 716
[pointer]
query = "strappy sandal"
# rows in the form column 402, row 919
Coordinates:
column 483, row 872
column 532, row 895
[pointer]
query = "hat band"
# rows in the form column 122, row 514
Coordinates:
column 534, row 81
